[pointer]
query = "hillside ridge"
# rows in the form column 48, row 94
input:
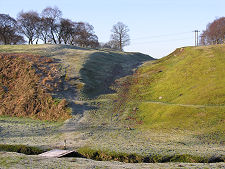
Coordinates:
column 183, row 90
column 78, row 73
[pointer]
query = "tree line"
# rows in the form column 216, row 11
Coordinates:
column 214, row 33
column 50, row 27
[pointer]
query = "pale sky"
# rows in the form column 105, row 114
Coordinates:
column 157, row 27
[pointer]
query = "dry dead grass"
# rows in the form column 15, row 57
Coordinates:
column 25, row 82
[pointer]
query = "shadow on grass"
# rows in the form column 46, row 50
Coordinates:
column 61, row 47
column 102, row 69
column 80, row 108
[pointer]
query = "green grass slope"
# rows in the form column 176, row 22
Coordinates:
column 90, row 71
column 184, row 90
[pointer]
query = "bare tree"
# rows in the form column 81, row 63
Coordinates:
column 8, row 31
column 120, row 35
column 111, row 45
column 53, row 16
column 16, row 39
column 28, row 24
column 44, row 29
column 84, row 35
column 66, row 30
column 6, row 27
column 49, row 26
column 214, row 33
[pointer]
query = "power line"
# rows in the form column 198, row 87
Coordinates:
column 162, row 41
column 163, row 35
column 166, row 35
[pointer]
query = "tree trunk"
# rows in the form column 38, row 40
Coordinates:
column 59, row 39
column 30, row 41
column 5, row 40
column 53, row 37
column 120, row 43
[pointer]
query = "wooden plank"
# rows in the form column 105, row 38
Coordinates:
column 56, row 153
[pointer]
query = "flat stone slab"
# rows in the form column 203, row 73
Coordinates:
column 56, row 153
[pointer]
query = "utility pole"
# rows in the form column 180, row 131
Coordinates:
column 203, row 40
column 196, row 37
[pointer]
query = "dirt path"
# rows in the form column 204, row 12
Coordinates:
column 184, row 105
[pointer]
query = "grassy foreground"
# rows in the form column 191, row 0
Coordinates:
column 107, row 155
column 165, row 129
column 20, row 161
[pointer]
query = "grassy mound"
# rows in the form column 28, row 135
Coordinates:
column 184, row 90
column 91, row 72
column 24, row 84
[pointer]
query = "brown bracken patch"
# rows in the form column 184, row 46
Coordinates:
column 25, row 85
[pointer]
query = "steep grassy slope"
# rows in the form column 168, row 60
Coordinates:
column 184, row 90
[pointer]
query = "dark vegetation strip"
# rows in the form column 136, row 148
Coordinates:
column 86, row 152
column 28, row 150
column 135, row 158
